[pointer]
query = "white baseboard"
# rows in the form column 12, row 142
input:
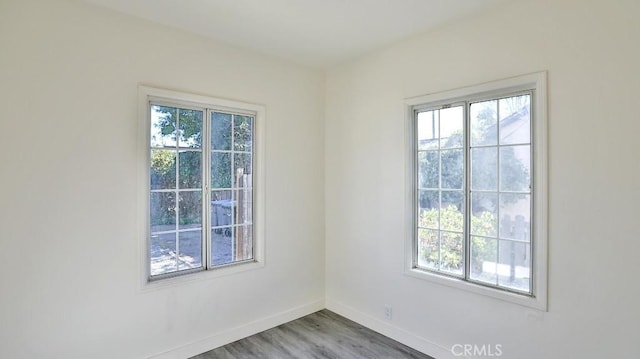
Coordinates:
column 409, row 339
column 242, row 331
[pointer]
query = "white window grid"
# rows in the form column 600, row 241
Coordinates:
column 205, row 190
column 467, row 147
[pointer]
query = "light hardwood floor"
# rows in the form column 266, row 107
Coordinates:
column 320, row 335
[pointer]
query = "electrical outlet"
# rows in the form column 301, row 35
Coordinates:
column 388, row 312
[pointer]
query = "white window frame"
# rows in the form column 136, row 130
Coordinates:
column 537, row 83
column 146, row 95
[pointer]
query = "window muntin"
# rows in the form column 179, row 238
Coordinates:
column 473, row 190
column 200, row 188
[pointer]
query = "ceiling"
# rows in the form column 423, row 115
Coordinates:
column 318, row 33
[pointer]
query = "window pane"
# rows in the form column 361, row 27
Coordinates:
column 515, row 165
column 452, row 212
column 428, row 133
column 515, row 119
column 221, row 208
column 451, row 125
column 190, row 123
column 484, row 209
column 514, row 267
column 242, row 170
column 515, row 216
column 243, row 243
column 428, row 248
column 452, row 169
column 428, row 172
column 242, row 133
column 163, row 211
column 428, row 209
column 163, row 253
column 484, row 169
column 190, row 250
column 190, row 210
column 221, row 131
column 244, row 206
column 483, row 123
column 163, row 126
column 190, row 175
column 220, row 196
column 451, row 246
column 228, row 212
column 220, row 170
column 221, row 251
column 484, row 259
column 163, row 169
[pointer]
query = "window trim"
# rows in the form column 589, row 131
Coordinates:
column 537, row 82
column 147, row 94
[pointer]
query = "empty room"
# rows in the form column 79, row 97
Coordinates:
column 319, row 179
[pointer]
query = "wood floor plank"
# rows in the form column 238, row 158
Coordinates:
column 321, row 335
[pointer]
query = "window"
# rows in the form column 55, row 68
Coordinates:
column 201, row 209
column 478, row 189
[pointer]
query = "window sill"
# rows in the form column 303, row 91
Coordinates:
column 515, row 298
column 200, row 276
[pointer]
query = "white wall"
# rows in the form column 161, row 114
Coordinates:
column 69, row 259
column 591, row 52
